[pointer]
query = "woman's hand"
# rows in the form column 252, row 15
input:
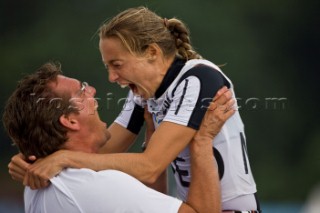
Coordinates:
column 39, row 173
column 18, row 167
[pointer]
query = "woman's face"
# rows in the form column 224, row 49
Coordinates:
column 140, row 73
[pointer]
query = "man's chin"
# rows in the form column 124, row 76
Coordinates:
column 108, row 137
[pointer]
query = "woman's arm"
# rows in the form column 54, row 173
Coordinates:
column 18, row 167
column 121, row 140
column 126, row 127
column 161, row 184
column 165, row 144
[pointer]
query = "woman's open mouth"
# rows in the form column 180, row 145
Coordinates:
column 132, row 87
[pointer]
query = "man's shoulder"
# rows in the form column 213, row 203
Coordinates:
column 78, row 177
column 75, row 183
column 72, row 174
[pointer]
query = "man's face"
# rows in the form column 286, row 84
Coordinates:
column 92, row 130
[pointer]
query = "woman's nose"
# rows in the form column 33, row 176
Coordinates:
column 113, row 76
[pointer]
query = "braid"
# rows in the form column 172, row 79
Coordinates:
column 181, row 35
column 139, row 27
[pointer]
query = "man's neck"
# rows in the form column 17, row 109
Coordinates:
column 80, row 144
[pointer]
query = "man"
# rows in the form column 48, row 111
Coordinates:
column 49, row 112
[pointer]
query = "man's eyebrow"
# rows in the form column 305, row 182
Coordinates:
column 80, row 84
column 78, row 92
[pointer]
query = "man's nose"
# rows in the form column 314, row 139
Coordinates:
column 92, row 91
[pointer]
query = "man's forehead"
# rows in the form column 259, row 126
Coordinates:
column 65, row 79
column 65, row 83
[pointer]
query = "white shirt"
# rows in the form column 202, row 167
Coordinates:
column 84, row 190
column 184, row 101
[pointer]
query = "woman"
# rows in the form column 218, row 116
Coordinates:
column 154, row 58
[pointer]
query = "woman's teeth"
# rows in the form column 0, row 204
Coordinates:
column 123, row 85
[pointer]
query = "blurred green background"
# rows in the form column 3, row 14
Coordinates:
column 271, row 50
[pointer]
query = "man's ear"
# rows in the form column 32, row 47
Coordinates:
column 69, row 122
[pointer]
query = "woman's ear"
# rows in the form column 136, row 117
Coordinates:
column 69, row 122
column 153, row 51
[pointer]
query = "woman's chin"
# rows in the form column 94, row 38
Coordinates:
column 136, row 92
column 133, row 88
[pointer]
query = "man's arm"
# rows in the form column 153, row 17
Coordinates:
column 204, row 193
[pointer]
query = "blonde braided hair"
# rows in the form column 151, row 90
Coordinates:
column 139, row 27
column 181, row 34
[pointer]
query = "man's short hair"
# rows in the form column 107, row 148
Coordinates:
column 31, row 115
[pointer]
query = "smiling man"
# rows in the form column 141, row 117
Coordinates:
column 49, row 112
